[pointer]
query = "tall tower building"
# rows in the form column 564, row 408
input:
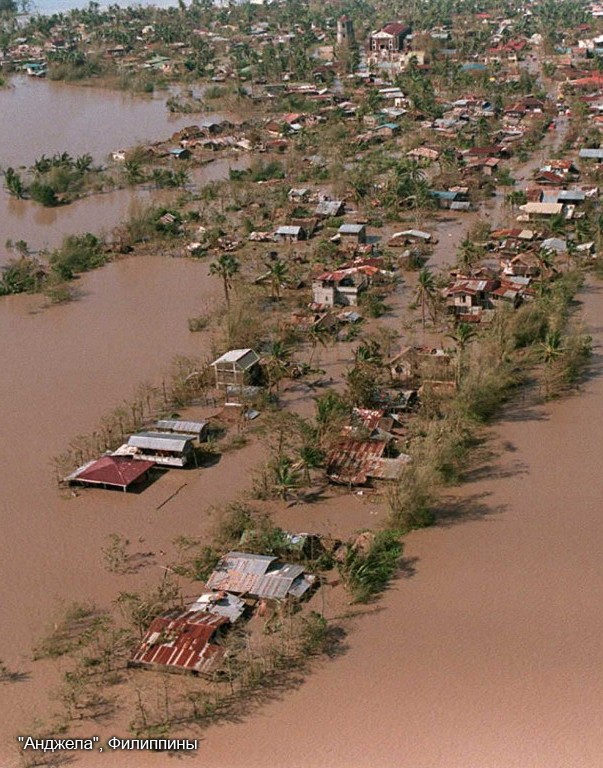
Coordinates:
column 345, row 31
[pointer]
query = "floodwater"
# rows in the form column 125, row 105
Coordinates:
column 45, row 117
column 80, row 120
column 489, row 655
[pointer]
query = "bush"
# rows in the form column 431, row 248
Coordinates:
column 23, row 275
column 79, row 253
column 410, row 500
column 370, row 563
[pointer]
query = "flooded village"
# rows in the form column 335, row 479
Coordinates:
column 299, row 314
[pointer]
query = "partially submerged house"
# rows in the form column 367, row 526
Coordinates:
column 356, row 462
column 111, row 472
column 342, row 286
column 238, row 367
column 289, row 233
column 167, row 450
column 182, row 641
column 259, row 576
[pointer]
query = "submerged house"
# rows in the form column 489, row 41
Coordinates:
column 198, row 429
column 259, row 576
column 168, row 450
column 237, row 367
column 111, row 472
column 356, row 462
column 182, row 641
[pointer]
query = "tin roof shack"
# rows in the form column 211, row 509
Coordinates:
column 259, row 576
column 327, row 208
column 177, row 427
column 167, row 450
column 357, row 462
column 352, row 232
column 111, row 472
column 181, row 641
column 289, row 234
column 467, row 296
column 238, row 366
column 224, row 604
column 533, row 211
column 591, row 154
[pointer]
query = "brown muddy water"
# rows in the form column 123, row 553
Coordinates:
column 41, row 117
column 487, row 655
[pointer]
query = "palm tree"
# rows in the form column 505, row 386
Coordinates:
column 285, row 476
column 468, row 254
column 13, row 183
column 545, row 263
column 425, row 292
column 277, row 272
column 276, row 362
column 225, row 267
column 318, row 335
column 310, row 457
column 465, row 333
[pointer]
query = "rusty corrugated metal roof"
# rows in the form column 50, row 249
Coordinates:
column 181, row 639
column 352, row 461
column 255, row 575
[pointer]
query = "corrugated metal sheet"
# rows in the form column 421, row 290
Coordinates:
column 117, row 471
column 256, row 575
column 352, row 461
column 181, row 639
column 194, row 428
column 242, row 358
column 220, row 604
column 159, row 441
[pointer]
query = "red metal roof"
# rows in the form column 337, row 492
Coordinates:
column 395, row 28
column 181, row 639
column 120, row 471
column 352, row 461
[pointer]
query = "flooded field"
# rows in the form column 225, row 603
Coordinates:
column 78, row 119
column 121, row 121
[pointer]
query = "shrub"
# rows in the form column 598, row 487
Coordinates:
column 79, row 253
column 370, row 563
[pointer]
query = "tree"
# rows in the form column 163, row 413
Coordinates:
column 277, row 272
column 464, row 334
column 225, row 267
column 14, row 184
column 277, row 360
column 552, row 350
column 285, row 476
column 425, row 292
column 319, row 336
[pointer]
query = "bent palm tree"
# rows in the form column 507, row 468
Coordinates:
column 225, row 267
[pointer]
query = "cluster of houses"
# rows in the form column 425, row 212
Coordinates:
column 190, row 639
column 171, row 444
